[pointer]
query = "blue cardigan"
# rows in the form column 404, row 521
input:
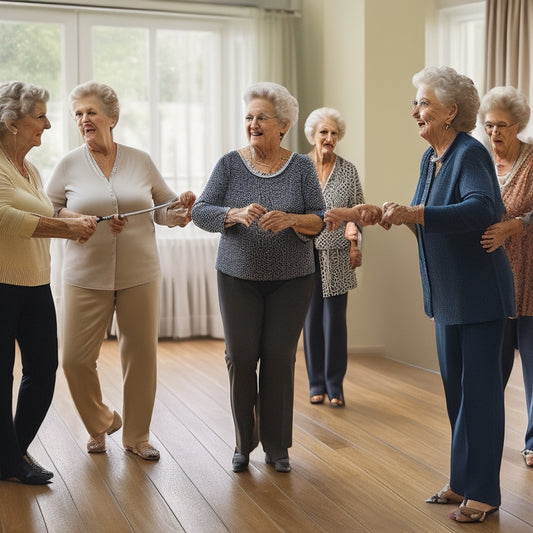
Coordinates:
column 462, row 283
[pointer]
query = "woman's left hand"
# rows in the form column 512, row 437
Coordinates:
column 117, row 223
column 179, row 212
column 277, row 221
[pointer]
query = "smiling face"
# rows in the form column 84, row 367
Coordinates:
column 263, row 129
column 502, row 130
column 326, row 136
column 94, row 125
column 431, row 115
column 31, row 127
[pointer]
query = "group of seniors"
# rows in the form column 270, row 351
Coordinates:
column 290, row 226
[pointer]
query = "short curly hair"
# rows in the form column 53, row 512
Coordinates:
column 452, row 88
column 319, row 115
column 107, row 96
column 507, row 99
column 284, row 103
column 17, row 99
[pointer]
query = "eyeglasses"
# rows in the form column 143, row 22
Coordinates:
column 489, row 127
column 260, row 119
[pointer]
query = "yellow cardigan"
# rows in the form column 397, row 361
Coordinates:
column 23, row 260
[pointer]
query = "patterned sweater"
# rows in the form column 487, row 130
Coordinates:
column 251, row 253
column 342, row 189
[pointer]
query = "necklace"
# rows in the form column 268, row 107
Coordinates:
column 270, row 167
column 24, row 172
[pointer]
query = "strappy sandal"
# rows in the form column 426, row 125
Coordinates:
column 445, row 496
column 317, row 399
column 528, row 457
column 144, row 450
column 469, row 514
column 97, row 444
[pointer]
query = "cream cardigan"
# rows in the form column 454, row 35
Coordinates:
column 23, row 261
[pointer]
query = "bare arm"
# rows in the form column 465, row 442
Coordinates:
column 76, row 228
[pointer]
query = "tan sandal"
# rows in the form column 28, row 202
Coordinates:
column 145, row 451
column 445, row 496
column 97, row 444
column 469, row 514
column 528, row 457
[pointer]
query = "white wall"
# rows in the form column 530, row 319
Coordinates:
column 359, row 57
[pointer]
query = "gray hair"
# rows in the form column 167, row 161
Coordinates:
column 452, row 88
column 17, row 99
column 106, row 95
column 506, row 99
column 284, row 103
column 320, row 115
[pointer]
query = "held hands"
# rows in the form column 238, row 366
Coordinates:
column 496, row 234
column 363, row 214
column 179, row 212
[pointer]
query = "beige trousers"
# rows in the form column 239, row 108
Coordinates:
column 87, row 313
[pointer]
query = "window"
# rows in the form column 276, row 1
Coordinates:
column 170, row 73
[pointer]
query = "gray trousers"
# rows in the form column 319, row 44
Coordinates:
column 262, row 325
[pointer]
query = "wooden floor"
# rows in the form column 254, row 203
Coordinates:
column 368, row 467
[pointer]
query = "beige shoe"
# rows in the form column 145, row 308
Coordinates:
column 144, row 450
column 97, row 444
column 445, row 496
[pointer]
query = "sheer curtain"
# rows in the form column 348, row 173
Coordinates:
column 276, row 55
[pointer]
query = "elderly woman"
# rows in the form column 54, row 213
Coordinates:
column 325, row 331
column 27, row 313
column 267, row 204
column 468, row 292
column 505, row 113
column 116, row 272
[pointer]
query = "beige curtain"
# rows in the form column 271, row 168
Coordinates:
column 508, row 44
column 276, row 56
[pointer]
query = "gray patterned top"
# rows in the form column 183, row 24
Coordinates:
column 251, row 253
column 342, row 189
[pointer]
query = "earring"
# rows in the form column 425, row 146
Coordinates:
column 447, row 127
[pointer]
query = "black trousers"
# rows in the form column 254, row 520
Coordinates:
column 262, row 324
column 27, row 316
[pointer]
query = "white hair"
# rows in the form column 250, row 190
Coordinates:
column 320, row 115
column 507, row 99
column 452, row 88
column 17, row 99
column 107, row 96
column 285, row 105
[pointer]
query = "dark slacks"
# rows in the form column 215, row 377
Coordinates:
column 325, row 341
column 262, row 324
column 27, row 316
column 470, row 364
column 519, row 335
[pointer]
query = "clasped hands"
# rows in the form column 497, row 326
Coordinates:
column 368, row 215
column 274, row 221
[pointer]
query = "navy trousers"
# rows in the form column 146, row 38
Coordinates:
column 27, row 316
column 470, row 364
column 519, row 336
column 325, row 341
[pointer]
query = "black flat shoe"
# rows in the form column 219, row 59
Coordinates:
column 37, row 467
column 239, row 463
column 282, row 465
column 27, row 475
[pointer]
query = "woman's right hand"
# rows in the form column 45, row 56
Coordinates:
column 244, row 215
column 496, row 234
column 82, row 228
